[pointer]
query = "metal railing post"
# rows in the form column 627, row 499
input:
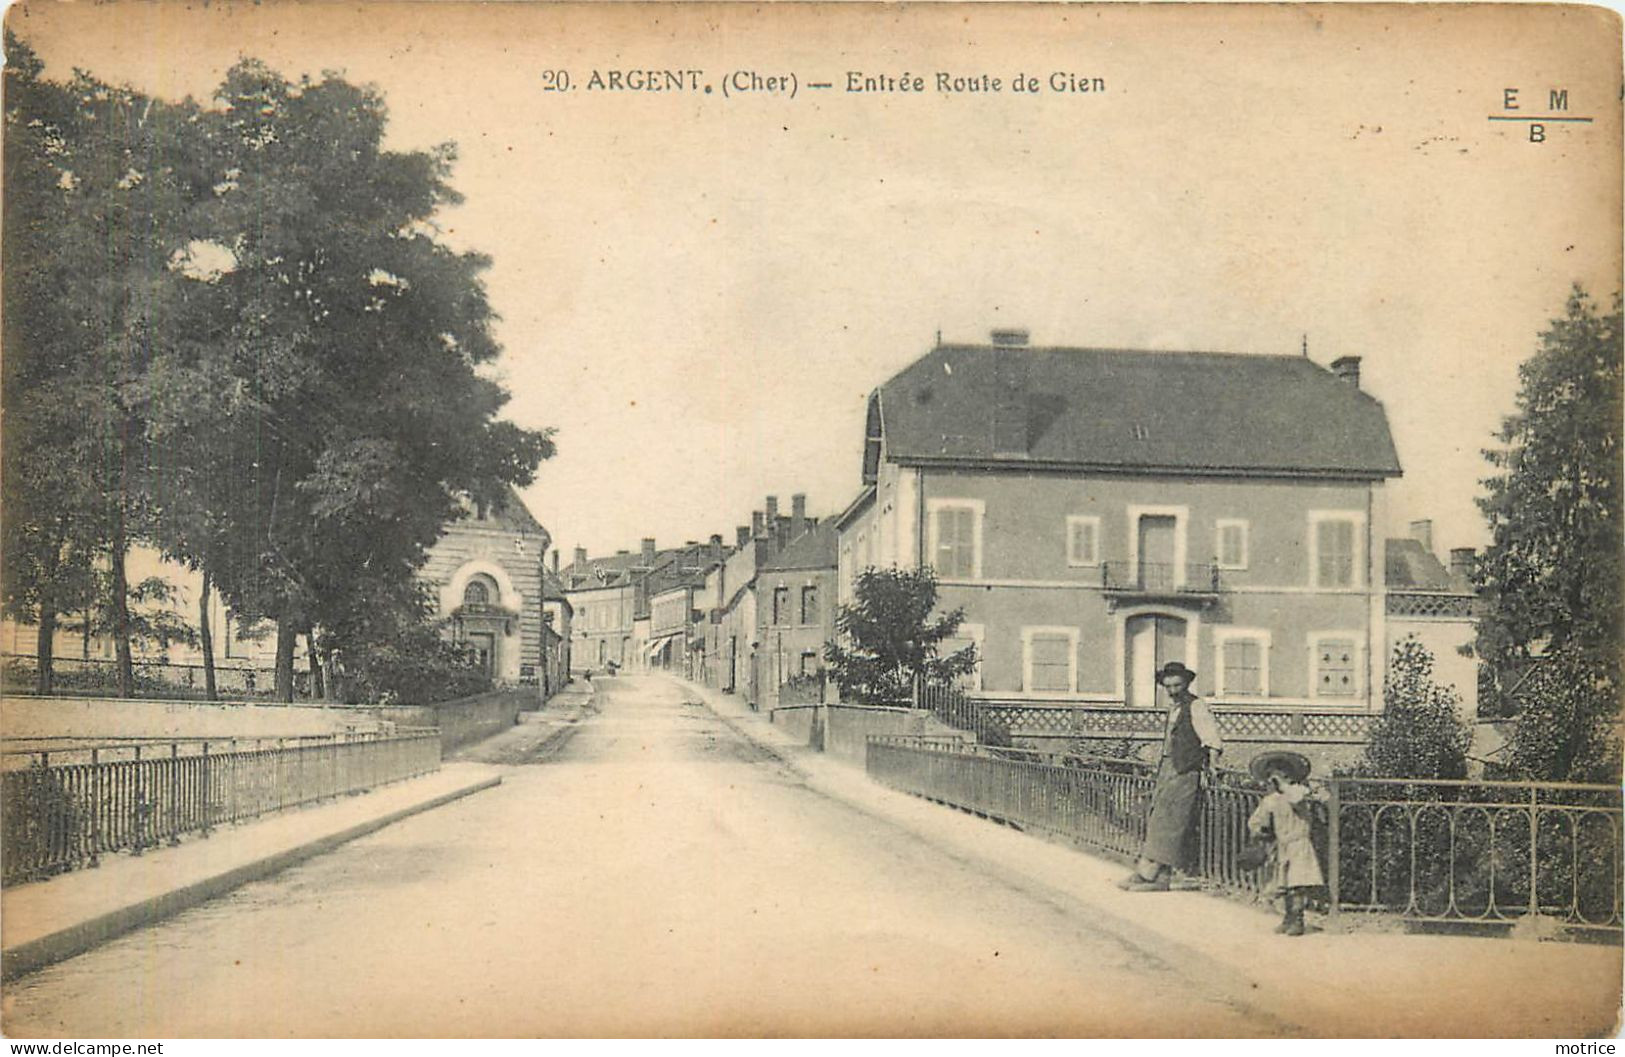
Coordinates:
column 1334, row 841
column 1534, row 842
column 95, row 808
column 140, row 805
column 174, row 794
column 207, row 793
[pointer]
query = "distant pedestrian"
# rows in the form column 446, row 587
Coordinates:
column 1286, row 816
column 1190, row 746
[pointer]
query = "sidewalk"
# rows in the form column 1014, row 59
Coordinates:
column 1345, row 984
column 47, row 921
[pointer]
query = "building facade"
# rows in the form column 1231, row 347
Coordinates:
column 1099, row 513
column 796, row 612
column 486, row 570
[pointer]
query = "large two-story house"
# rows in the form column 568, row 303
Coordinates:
column 1100, row 512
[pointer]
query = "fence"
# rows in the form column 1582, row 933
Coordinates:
column 1458, row 852
column 56, row 817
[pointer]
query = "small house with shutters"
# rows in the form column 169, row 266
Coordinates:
column 1099, row 512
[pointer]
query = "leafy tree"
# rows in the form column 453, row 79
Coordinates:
column 1551, row 577
column 1420, row 733
column 90, row 209
column 355, row 414
column 892, row 640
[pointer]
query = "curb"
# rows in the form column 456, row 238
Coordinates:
column 78, row 938
column 1223, row 979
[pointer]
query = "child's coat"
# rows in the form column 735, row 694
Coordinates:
column 1285, row 815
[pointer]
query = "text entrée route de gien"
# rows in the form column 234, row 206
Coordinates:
column 769, row 82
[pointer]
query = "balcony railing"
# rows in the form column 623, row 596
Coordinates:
column 1196, row 582
column 1457, row 852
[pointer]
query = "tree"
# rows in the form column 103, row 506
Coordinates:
column 892, row 640
column 90, row 209
column 1550, row 579
column 1420, row 733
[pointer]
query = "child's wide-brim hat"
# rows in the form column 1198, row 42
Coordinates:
column 1295, row 764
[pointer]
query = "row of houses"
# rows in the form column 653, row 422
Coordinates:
column 745, row 617
column 1096, row 513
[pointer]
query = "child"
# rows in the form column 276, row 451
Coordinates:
column 1285, row 815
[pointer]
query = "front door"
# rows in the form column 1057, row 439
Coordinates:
column 484, row 645
column 1157, row 536
column 1149, row 642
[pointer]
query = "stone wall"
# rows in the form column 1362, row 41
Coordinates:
column 799, row 721
column 847, row 727
column 465, row 720
column 98, row 717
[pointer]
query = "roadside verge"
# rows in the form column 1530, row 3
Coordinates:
column 48, row 921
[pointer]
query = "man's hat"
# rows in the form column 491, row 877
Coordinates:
column 1295, row 764
column 1175, row 668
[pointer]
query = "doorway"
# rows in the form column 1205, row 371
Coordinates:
column 1150, row 641
column 1158, row 538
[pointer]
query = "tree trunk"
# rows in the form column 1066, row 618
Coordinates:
column 206, row 637
column 285, row 636
column 318, row 691
column 47, row 635
column 84, row 645
column 121, row 607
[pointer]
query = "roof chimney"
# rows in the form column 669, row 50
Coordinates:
column 741, row 536
column 1422, row 532
column 1348, row 369
column 772, row 511
column 798, row 515
column 1462, row 560
column 648, row 557
column 1010, row 419
column 581, row 558
column 1010, row 337
column 756, row 523
column 555, row 561
column 716, row 546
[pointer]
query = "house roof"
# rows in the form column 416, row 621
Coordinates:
column 813, row 549
column 672, row 566
column 1133, row 410
column 1411, row 566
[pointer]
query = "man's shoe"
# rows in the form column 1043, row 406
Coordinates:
column 1140, row 884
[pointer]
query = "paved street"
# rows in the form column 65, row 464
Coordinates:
column 654, row 874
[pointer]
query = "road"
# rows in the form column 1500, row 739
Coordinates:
column 656, row 875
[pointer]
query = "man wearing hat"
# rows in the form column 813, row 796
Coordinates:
column 1190, row 746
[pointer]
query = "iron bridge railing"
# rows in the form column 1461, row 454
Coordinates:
column 57, row 816
column 1436, row 851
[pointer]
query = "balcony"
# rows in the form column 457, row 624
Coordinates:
column 1181, row 584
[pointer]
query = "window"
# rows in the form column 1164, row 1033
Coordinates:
column 809, row 604
column 1051, row 659
column 956, row 538
column 1230, row 543
column 809, row 663
column 969, row 635
column 1334, row 548
column 1083, row 541
column 781, row 605
column 1243, row 662
column 476, row 593
column 1336, row 664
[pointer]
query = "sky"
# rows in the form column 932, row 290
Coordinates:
column 698, row 290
